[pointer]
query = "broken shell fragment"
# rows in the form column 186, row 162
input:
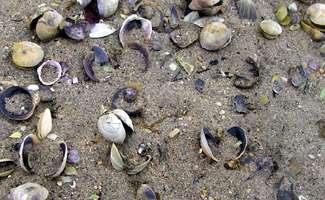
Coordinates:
column 215, row 36
column 28, row 191
column 247, row 10
column 240, row 104
column 129, row 24
column 26, row 54
column 7, row 166
column 136, row 46
column 116, row 158
column 44, row 125
column 32, row 20
column 48, row 25
column 100, row 30
column 279, row 84
column 111, row 127
column 240, row 134
column 204, row 138
column 25, row 111
column 286, row 190
column 139, row 168
column 77, row 31
column 297, row 76
column 49, row 72
column 24, row 149
column 270, row 29
column 107, row 8
column 145, row 192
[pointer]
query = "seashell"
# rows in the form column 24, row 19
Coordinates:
column 202, row 4
column 185, row 35
column 145, row 192
column 128, row 25
column 48, row 25
column 240, row 134
column 32, row 20
column 101, row 56
column 139, row 168
column 286, row 190
column 88, row 66
column 100, row 30
column 240, row 104
column 7, row 167
column 84, row 3
column 279, row 84
column 174, row 18
column 138, row 47
column 130, row 94
column 44, row 125
column 73, row 157
column 215, row 36
column 25, row 146
column 247, row 10
column 107, row 8
column 316, row 15
column 199, row 85
column 144, row 148
column 243, row 82
column 124, row 117
column 64, row 150
column 270, row 29
column 116, row 158
column 191, row 17
column 29, row 107
column 77, row 31
column 26, row 54
column 297, row 76
column 203, row 21
column 111, row 127
column 48, row 79
column 187, row 66
column 28, row 191
column 204, row 137
column 283, row 16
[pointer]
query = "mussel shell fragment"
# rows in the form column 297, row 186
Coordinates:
column 88, row 66
column 204, row 137
column 240, row 134
column 26, row 54
column 286, row 190
column 10, row 92
column 241, row 104
column 129, row 94
column 128, row 24
column 24, row 149
column 28, row 191
column 116, row 159
column 243, row 82
column 7, row 166
column 53, row 65
column 139, row 168
column 77, row 31
column 145, row 192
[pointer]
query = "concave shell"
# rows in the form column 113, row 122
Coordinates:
column 116, row 158
column 64, row 149
column 44, row 125
column 316, row 14
column 107, row 8
column 7, row 166
column 204, row 137
column 53, row 64
column 215, row 36
column 111, row 127
column 77, row 31
column 126, row 26
column 26, row 54
column 100, row 30
column 240, row 134
column 23, row 152
column 48, row 25
column 139, row 168
column 202, row 4
column 124, row 117
column 28, row 191
column 270, row 29
column 145, row 192
column 8, row 93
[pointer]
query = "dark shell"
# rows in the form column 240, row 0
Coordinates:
column 10, row 92
column 88, row 66
column 46, row 94
column 24, row 149
column 298, row 76
column 77, row 31
column 144, row 52
column 240, row 103
column 73, row 157
column 199, row 85
column 130, row 94
column 210, row 137
column 7, row 166
column 100, row 55
column 243, row 82
column 240, row 134
column 286, row 191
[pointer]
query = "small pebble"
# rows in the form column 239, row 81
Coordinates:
column 222, row 112
column 311, row 156
column 219, row 103
column 173, row 66
column 73, row 157
column 174, row 133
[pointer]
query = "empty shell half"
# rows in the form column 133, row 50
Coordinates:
column 49, row 72
column 44, row 125
column 28, row 191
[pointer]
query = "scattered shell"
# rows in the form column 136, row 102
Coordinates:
column 247, row 10
column 48, row 66
column 215, row 36
column 297, row 76
column 44, row 125
column 84, row 3
column 145, row 192
column 100, row 55
column 292, row 7
column 316, row 15
column 77, row 31
column 143, row 149
column 73, row 157
column 139, row 168
column 199, row 85
column 70, row 171
column 111, row 127
column 240, row 103
column 270, row 29
column 243, row 82
column 124, row 117
column 191, row 17
column 116, row 158
column 185, row 35
column 174, row 18
column 26, row 54
column 29, row 106
column 128, row 25
column 130, row 94
column 240, row 134
column 188, row 67
column 32, row 20
column 28, row 191
column 279, row 84
column 136, row 46
column 204, row 137
column 202, row 4
column 48, row 25
column 107, row 8
column 64, row 149
column 283, row 16
column 16, row 135
column 100, row 30
column 203, row 21
column 7, row 166
column 286, row 190
column 25, row 146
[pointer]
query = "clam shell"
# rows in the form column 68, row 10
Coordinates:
column 100, row 30
column 205, row 145
column 145, row 24
column 53, row 64
column 26, row 54
column 48, row 25
column 23, row 152
column 7, row 166
column 316, row 14
column 139, row 168
column 145, row 192
column 111, row 127
column 215, row 36
column 28, row 191
column 84, row 3
column 107, row 8
column 240, row 134
column 124, row 117
column 64, row 149
column 32, row 20
column 202, row 4
column 270, row 29
column 116, row 158
column 44, row 125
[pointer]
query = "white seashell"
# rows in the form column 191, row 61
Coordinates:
column 124, row 117
column 111, row 127
column 44, row 125
column 28, row 191
column 84, row 3
column 100, row 30
column 116, row 158
column 50, row 63
column 107, row 8
column 205, row 146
